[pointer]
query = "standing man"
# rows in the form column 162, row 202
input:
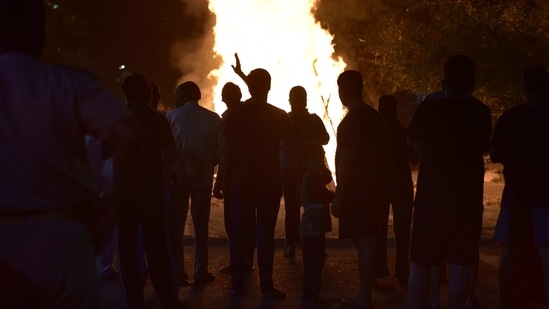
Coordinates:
column 253, row 132
column 306, row 128
column 400, row 194
column 360, row 168
column 452, row 134
column 196, row 132
column 521, row 143
column 232, row 96
column 147, row 209
column 50, row 214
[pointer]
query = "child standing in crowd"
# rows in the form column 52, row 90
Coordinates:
column 315, row 222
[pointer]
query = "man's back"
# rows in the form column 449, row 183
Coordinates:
column 254, row 131
column 453, row 135
column 196, row 133
column 45, row 113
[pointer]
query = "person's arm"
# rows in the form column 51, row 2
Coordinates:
column 320, row 129
column 413, row 135
column 238, row 69
column 497, row 144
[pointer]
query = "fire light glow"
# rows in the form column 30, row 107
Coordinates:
column 284, row 38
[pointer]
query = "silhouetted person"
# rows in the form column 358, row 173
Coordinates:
column 147, row 209
column 253, row 133
column 315, row 222
column 155, row 98
column 521, row 143
column 452, row 134
column 360, row 168
column 51, row 218
column 196, row 131
column 306, row 128
column 232, row 96
column 400, row 194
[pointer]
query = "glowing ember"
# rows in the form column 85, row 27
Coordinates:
column 284, row 38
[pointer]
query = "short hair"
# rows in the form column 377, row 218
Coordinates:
column 258, row 81
column 536, row 81
column 232, row 91
column 351, row 80
column 387, row 105
column 298, row 95
column 22, row 25
column 136, row 89
column 187, row 91
column 312, row 150
column 459, row 72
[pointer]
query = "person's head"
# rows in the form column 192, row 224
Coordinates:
column 459, row 73
column 313, row 154
column 350, row 85
column 387, row 106
column 136, row 89
column 155, row 91
column 231, row 94
column 536, row 84
column 22, row 26
column 187, row 91
column 298, row 98
column 259, row 83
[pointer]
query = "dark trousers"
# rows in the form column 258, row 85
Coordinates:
column 228, row 228
column 401, row 198
column 253, row 218
column 291, row 188
column 314, row 254
column 148, row 211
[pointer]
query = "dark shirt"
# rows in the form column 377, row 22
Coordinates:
column 158, row 137
column 398, row 150
column 306, row 128
column 521, row 143
column 453, row 135
column 316, row 199
column 253, row 131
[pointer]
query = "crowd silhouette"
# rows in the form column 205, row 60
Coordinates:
column 83, row 165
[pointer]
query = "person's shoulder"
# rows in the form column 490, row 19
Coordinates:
column 210, row 113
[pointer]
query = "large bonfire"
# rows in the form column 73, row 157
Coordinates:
column 284, row 38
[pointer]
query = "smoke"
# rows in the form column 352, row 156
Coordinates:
column 193, row 55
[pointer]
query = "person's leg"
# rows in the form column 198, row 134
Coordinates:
column 292, row 211
column 200, row 211
column 128, row 237
column 472, row 302
column 180, row 210
column 433, row 299
column 141, row 260
column 153, row 225
column 381, row 268
column 365, row 249
column 105, row 259
column 402, row 224
column 243, row 223
column 418, row 286
column 267, row 213
column 458, row 286
column 544, row 255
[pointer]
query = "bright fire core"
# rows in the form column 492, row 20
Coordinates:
column 284, row 38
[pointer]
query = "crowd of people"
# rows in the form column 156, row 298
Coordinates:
column 81, row 165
